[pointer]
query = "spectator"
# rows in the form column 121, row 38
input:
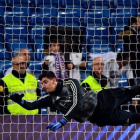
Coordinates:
column 54, row 61
column 25, row 53
column 96, row 81
column 115, row 67
column 131, row 40
column 76, row 59
column 20, row 82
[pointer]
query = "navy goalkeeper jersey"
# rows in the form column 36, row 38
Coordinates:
column 69, row 98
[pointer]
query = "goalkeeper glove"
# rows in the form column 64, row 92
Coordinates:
column 17, row 98
column 57, row 125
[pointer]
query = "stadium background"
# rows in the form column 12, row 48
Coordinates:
column 23, row 23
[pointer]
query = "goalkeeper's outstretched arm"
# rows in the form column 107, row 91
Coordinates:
column 44, row 101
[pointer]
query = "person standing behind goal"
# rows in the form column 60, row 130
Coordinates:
column 96, row 81
column 21, row 82
column 118, row 66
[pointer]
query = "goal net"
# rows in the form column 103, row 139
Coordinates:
column 84, row 29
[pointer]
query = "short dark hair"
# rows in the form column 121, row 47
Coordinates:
column 54, row 40
column 47, row 74
column 122, row 55
column 132, row 20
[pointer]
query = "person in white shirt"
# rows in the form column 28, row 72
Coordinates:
column 114, row 68
column 79, row 64
column 25, row 53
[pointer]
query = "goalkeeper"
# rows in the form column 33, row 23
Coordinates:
column 75, row 103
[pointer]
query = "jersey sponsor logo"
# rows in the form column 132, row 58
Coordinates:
column 1, row 88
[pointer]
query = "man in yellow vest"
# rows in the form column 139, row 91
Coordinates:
column 20, row 82
column 96, row 81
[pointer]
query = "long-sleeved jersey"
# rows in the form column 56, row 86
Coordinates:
column 69, row 98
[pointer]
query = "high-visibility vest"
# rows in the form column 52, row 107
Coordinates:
column 28, row 88
column 93, row 83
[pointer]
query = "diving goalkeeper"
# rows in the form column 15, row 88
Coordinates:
column 76, row 103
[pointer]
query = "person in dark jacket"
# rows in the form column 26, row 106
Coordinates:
column 76, row 103
column 131, row 40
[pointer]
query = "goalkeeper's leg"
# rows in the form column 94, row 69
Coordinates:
column 135, row 90
column 135, row 118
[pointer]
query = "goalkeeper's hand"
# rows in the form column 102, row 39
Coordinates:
column 57, row 125
column 17, row 98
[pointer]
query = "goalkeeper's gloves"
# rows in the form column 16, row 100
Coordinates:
column 57, row 125
column 17, row 98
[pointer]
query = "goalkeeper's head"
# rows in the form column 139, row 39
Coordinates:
column 48, row 81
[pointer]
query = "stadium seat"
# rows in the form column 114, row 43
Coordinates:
column 40, row 4
column 89, row 67
column 70, row 17
column 98, row 31
column 101, row 4
column 32, row 53
column 48, row 18
column 16, row 32
column 15, row 35
column 4, row 66
column 37, row 37
column 123, row 81
column 16, row 44
column 3, row 3
column 97, row 35
column 75, row 3
column 21, row 3
column 1, row 36
column 118, row 20
column 2, row 10
column 115, row 32
column 39, row 54
column 126, row 3
column 97, row 17
column 121, row 16
column 84, row 53
column 17, row 16
column 99, row 48
column 84, row 74
column 35, row 66
column 4, row 54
